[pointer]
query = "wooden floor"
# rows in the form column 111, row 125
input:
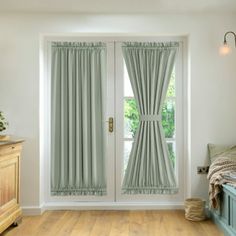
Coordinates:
column 112, row 223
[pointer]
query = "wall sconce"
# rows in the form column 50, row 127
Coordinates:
column 225, row 49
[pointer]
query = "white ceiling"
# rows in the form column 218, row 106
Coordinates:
column 119, row 6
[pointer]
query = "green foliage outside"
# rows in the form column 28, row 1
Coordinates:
column 168, row 116
column 171, row 88
column 131, row 115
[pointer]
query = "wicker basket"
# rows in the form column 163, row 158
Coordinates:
column 195, row 209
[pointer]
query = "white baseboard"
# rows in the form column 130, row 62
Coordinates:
column 33, row 210
column 110, row 206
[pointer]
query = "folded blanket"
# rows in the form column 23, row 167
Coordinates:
column 230, row 176
column 219, row 172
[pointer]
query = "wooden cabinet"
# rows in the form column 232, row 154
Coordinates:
column 10, row 211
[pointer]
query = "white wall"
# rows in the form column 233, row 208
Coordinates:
column 212, row 77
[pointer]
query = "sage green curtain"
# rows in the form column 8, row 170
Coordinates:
column 149, row 169
column 78, row 78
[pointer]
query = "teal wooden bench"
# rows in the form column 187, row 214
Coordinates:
column 225, row 218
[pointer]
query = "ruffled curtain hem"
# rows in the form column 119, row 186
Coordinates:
column 142, row 190
column 75, row 192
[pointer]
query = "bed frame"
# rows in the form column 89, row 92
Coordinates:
column 226, row 217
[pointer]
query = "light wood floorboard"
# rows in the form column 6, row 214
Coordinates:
column 112, row 223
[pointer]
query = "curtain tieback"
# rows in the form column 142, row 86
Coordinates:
column 150, row 117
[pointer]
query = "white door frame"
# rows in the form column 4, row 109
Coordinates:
column 114, row 88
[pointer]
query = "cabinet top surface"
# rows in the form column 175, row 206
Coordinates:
column 11, row 142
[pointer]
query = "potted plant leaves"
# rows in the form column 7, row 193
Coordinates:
column 3, row 126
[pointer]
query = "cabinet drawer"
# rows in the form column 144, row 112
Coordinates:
column 9, row 149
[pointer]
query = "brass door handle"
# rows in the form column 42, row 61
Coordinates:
column 110, row 124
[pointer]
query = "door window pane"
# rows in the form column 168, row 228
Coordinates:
column 127, row 150
column 171, row 87
column 131, row 119
column 128, row 92
column 171, row 149
column 168, row 118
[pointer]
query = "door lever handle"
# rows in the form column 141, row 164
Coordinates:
column 110, row 124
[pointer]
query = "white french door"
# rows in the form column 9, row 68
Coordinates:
column 109, row 113
column 120, row 105
column 127, row 120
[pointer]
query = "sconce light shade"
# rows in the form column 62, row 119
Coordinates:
column 225, row 48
